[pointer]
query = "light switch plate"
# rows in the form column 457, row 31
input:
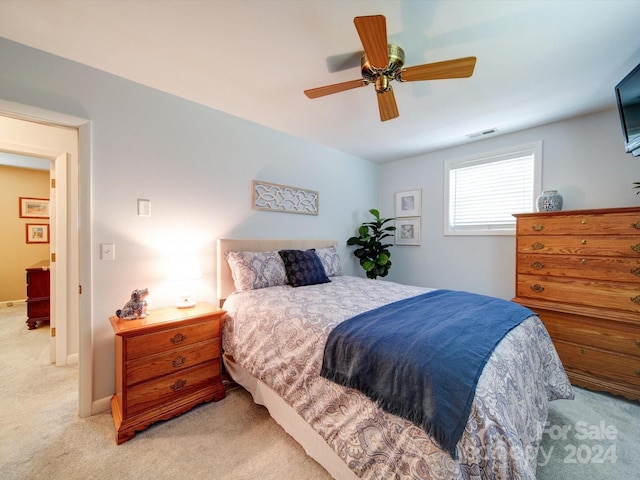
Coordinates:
column 144, row 207
column 107, row 251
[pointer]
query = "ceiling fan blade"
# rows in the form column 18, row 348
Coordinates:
column 458, row 68
column 373, row 35
column 335, row 88
column 387, row 105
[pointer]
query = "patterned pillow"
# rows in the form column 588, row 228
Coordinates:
column 253, row 270
column 303, row 267
column 330, row 261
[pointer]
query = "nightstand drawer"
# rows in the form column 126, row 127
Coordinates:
column 154, row 343
column 164, row 390
column 176, row 360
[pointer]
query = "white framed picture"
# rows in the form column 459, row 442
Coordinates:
column 408, row 231
column 409, row 203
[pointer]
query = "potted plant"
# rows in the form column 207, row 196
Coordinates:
column 372, row 253
column 637, row 185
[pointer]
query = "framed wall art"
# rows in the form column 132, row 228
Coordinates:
column 409, row 203
column 408, row 231
column 283, row 198
column 34, row 207
column 37, row 232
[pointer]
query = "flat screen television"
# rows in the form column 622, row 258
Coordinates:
column 628, row 98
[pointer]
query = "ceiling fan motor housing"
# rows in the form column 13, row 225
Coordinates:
column 382, row 76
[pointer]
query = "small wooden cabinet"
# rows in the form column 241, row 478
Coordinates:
column 580, row 272
column 38, row 292
column 166, row 364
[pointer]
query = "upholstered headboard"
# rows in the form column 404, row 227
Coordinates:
column 225, row 280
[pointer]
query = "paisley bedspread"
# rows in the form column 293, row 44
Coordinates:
column 278, row 334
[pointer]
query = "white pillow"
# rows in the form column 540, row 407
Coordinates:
column 330, row 260
column 253, row 270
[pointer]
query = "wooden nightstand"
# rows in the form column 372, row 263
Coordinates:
column 166, row 364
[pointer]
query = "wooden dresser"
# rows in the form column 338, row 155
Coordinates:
column 166, row 364
column 38, row 292
column 580, row 272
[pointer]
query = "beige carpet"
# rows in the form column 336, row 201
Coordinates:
column 41, row 436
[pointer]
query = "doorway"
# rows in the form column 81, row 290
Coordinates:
column 33, row 132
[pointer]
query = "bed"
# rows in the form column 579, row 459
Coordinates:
column 274, row 337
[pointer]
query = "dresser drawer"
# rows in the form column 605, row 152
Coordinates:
column 613, row 366
column 587, row 245
column 147, row 368
column 616, row 296
column 611, row 336
column 619, row 269
column 164, row 390
column 606, row 224
column 166, row 340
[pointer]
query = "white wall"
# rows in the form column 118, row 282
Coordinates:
column 583, row 158
column 195, row 164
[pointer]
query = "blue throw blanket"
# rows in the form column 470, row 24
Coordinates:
column 420, row 358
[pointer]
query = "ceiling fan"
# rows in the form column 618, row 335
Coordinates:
column 382, row 63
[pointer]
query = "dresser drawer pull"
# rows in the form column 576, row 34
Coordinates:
column 636, row 248
column 638, row 343
column 636, row 225
column 636, row 271
column 583, row 261
column 178, row 385
column 636, row 299
column 537, row 288
column 584, row 221
column 537, row 227
column 582, row 351
column 179, row 338
column 537, row 265
column 638, row 373
column 537, row 246
column 178, row 361
column 584, row 241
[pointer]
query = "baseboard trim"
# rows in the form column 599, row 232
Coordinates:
column 11, row 303
column 100, row 406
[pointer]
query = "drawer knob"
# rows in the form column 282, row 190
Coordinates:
column 178, row 338
column 537, row 265
column 584, row 221
column 638, row 373
column 178, row 385
column 178, row 361
column 582, row 351
column 636, row 299
column 537, row 227
column 638, row 343
column 583, row 261
column 636, row 271
column 584, row 241
column 537, row 246
column 636, row 225
column 537, row 288
column 636, row 248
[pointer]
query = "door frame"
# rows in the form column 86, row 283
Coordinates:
column 73, row 303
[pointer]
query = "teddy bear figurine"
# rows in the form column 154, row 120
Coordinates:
column 136, row 307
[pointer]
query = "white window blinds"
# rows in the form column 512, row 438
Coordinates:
column 484, row 192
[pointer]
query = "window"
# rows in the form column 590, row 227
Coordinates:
column 484, row 191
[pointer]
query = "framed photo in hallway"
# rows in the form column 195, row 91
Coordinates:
column 34, row 207
column 37, row 233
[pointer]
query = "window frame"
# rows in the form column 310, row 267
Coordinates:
column 489, row 157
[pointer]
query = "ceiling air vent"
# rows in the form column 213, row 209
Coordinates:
column 482, row 133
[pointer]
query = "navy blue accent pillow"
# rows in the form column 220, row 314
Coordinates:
column 303, row 267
